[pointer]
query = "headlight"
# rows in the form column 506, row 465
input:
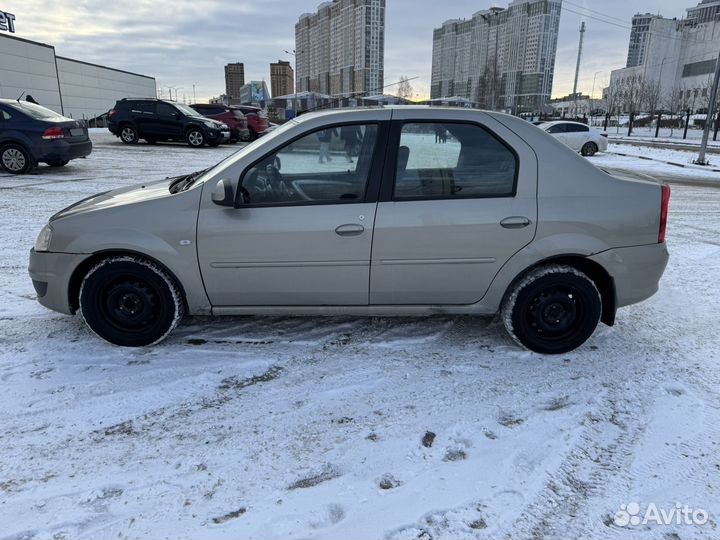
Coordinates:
column 43, row 240
column 210, row 124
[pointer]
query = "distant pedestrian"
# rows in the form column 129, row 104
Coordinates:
column 325, row 137
column 352, row 137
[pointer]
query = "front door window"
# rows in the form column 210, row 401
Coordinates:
column 328, row 166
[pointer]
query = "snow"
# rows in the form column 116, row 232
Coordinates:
column 262, row 427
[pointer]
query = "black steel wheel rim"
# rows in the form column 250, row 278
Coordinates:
column 130, row 304
column 555, row 313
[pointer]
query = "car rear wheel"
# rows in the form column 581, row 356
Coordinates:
column 58, row 162
column 128, row 135
column 589, row 149
column 195, row 138
column 552, row 310
column 15, row 159
column 130, row 301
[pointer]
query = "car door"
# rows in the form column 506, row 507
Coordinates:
column 143, row 114
column 303, row 233
column 560, row 132
column 167, row 121
column 452, row 209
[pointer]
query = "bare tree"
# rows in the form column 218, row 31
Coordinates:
column 673, row 102
column 613, row 96
column 651, row 98
column 405, row 89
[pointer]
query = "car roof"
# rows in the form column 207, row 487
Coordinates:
column 555, row 122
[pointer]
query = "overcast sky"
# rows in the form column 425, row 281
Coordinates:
column 186, row 42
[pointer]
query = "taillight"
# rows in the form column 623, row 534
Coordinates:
column 112, row 113
column 664, row 206
column 54, row 133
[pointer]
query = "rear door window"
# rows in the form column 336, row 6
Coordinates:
column 452, row 160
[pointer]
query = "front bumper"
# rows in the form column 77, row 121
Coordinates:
column 51, row 273
column 636, row 270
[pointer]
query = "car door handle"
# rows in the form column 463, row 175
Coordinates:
column 351, row 229
column 515, row 222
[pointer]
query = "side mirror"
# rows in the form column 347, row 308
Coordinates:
column 223, row 194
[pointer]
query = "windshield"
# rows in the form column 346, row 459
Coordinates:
column 233, row 158
column 38, row 112
column 187, row 111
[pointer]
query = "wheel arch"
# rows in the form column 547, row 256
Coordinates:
column 595, row 271
column 87, row 264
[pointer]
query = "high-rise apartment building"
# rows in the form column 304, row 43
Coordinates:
column 341, row 48
column 677, row 65
column 234, row 79
column 502, row 58
column 639, row 38
column 282, row 78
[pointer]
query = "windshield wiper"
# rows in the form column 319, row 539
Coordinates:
column 181, row 183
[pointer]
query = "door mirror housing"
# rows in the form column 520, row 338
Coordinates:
column 224, row 194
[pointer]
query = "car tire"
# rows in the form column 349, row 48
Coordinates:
column 15, row 159
column 58, row 163
column 552, row 310
column 130, row 301
column 128, row 134
column 195, row 138
column 589, row 149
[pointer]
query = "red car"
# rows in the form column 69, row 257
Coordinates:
column 257, row 120
column 232, row 116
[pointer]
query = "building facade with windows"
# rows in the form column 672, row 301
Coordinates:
column 639, row 37
column 678, row 60
column 234, row 79
column 501, row 58
column 282, row 78
column 74, row 88
column 340, row 49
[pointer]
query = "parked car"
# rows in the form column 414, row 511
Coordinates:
column 160, row 120
column 32, row 134
column 497, row 217
column 234, row 118
column 578, row 136
column 257, row 120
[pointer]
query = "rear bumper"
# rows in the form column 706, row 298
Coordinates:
column 50, row 273
column 636, row 270
column 62, row 150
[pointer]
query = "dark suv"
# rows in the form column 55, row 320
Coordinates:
column 159, row 120
column 31, row 134
column 234, row 118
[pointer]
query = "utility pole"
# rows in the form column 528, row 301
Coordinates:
column 577, row 66
column 710, row 113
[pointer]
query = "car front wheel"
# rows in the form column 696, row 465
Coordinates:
column 552, row 310
column 130, row 301
column 15, row 159
column 589, row 149
column 195, row 138
column 128, row 135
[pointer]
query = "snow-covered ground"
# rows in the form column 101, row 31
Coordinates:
column 278, row 427
column 633, row 161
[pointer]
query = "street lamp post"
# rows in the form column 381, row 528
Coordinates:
column 294, row 55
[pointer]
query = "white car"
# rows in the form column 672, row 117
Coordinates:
column 580, row 137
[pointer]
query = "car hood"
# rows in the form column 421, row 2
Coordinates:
column 118, row 197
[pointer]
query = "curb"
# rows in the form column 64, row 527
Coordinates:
column 673, row 163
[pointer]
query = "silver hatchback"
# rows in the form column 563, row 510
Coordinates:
column 382, row 211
